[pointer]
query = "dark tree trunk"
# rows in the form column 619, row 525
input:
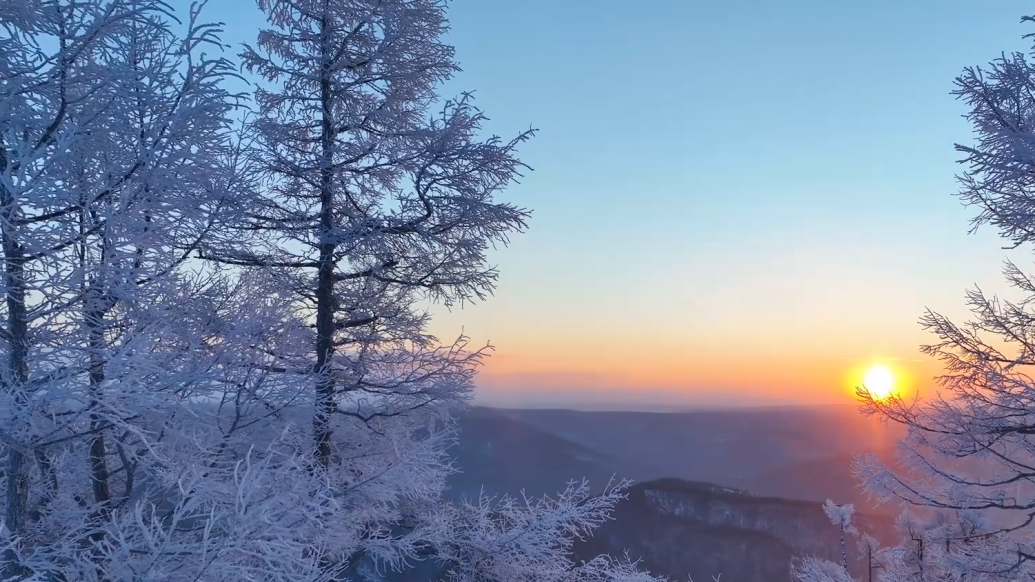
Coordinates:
column 844, row 551
column 98, row 450
column 325, row 404
column 16, row 374
column 869, row 563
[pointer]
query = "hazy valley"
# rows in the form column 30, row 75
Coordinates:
column 735, row 492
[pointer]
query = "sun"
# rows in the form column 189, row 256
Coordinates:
column 879, row 381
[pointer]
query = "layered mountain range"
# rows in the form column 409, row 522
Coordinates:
column 735, row 494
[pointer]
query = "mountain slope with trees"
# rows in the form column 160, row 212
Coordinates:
column 685, row 528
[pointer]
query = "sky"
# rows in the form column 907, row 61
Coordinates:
column 735, row 202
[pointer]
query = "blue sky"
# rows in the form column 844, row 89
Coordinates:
column 721, row 182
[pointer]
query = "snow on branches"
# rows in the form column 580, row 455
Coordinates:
column 216, row 363
column 841, row 516
column 112, row 137
column 814, row 569
column 374, row 196
column 965, row 467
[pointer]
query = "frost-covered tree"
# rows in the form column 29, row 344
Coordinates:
column 375, row 195
column 112, row 135
column 157, row 409
column 814, row 569
column 841, row 516
column 870, row 547
column 967, row 463
column 372, row 197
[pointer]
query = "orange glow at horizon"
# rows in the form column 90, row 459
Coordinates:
column 808, row 356
column 822, row 379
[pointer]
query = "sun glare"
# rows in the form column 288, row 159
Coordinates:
column 879, row 381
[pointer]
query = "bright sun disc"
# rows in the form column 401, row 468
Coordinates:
column 879, row 381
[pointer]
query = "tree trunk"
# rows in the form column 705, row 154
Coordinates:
column 844, row 551
column 869, row 563
column 16, row 374
column 98, row 451
column 325, row 404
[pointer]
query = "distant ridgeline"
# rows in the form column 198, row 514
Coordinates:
column 702, row 487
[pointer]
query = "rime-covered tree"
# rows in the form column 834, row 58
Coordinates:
column 871, row 548
column 841, row 516
column 376, row 195
column 157, row 411
column 813, row 569
column 967, row 463
column 112, row 149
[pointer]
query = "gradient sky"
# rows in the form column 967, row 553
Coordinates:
column 734, row 201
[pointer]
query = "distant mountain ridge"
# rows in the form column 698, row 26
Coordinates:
column 500, row 454
column 784, row 451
